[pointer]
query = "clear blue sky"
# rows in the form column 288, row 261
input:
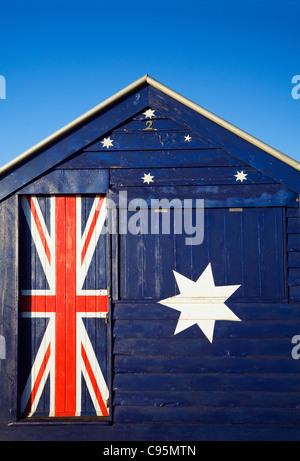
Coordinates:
column 234, row 58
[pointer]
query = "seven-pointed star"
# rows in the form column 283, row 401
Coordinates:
column 241, row 176
column 149, row 113
column 107, row 142
column 147, row 178
column 201, row 302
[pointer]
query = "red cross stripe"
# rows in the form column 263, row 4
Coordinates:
column 65, row 353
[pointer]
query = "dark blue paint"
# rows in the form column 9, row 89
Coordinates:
column 152, row 159
column 70, row 182
column 261, row 195
column 241, row 246
column 182, row 177
column 71, row 143
column 151, row 140
column 225, row 139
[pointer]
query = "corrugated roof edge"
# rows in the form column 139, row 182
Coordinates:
column 147, row 79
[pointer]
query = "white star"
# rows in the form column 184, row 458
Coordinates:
column 201, row 302
column 149, row 113
column 187, row 138
column 147, row 178
column 241, row 176
column 107, row 142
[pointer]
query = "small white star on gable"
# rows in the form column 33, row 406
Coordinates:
column 149, row 113
column 187, row 138
column 147, row 178
column 201, row 303
column 241, row 176
column 107, row 142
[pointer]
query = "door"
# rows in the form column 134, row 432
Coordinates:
column 64, row 307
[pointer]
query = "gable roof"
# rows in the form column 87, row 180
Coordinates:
column 147, row 81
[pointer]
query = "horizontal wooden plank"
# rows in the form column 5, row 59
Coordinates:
column 294, row 259
column 207, row 382
column 220, row 399
column 153, row 433
column 151, row 159
column 70, row 182
column 294, row 276
column 293, row 225
column 293, row 212
column 293, row 242
column 180, row 345
column 207, row 364
column 193, row 415
column 294, row 293
column 258, row 195
column 211, row 432
column 150, row 140
column 150, row 329
column 141, row 123
column 148, row 310
column 185, row 176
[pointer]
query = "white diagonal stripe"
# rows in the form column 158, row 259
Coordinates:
column 49, row 268
column 82, row 269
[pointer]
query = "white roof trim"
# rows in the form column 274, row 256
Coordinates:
column 146, row 79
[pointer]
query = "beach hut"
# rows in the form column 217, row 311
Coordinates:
column 150, row 279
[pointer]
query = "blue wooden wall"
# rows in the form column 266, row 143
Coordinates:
column 245, row 384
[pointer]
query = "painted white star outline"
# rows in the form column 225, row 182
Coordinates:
column 147, row 178
column 201, row 302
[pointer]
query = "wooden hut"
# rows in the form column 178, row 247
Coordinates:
column 150, row 279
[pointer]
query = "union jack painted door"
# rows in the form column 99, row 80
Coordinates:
column 64, row 307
